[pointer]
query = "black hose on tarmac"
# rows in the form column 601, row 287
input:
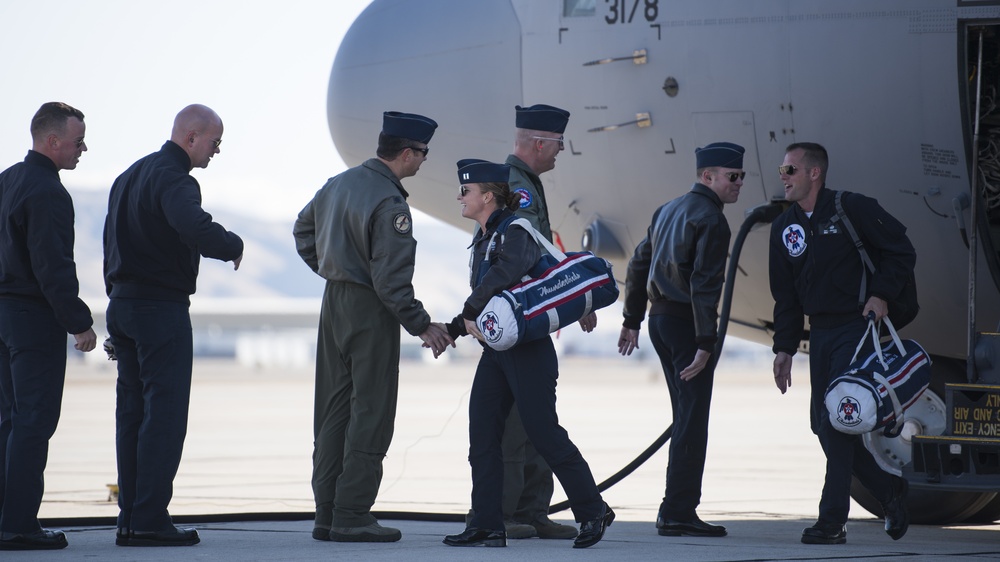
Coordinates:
column 763, row 213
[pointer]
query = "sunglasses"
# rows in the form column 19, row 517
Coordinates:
column 423, row 151
column 787, row 169
column 463, row 191
column 733, row 176
column 560, row 140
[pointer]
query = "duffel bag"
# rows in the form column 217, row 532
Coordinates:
column 559, row 290
column 875, row 391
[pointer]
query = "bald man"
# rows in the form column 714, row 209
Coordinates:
column 154, row 235
column 39, row 305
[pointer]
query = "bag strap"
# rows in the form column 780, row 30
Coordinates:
column 869, row 266
column 895, row 336
column 539, row 239
column 873, row 330
column 897, row 407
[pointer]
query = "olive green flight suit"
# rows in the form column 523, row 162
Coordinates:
column 357, row 233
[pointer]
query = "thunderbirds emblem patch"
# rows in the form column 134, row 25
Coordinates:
column 795, row 240
column 490, row 327
column 848, row 412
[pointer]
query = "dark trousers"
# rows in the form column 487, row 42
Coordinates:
column 32, row 373
column 357, row 381
column 152, row 340
column 525, row 375
column 690, row 401
column 527, row 479
column 830, row 351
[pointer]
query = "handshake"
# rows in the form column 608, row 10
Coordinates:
column 436, row 337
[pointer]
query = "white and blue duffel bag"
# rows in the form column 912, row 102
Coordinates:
column 561, row 289
column 876, row 390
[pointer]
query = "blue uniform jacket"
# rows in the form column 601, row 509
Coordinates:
column 36, row 241
column 156, row 230
column 511, row 257
column 815, row 269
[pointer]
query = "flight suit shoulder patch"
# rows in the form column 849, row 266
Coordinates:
column 526, row 198
column 402, row 223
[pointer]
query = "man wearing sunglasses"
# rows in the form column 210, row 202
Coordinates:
column 39, row 305
column 357, row 233
column 815, row 271
column 679, row 269
column 528, row 485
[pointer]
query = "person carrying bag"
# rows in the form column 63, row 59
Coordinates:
column 877, row 388
column 558, row 291
column 523, row 376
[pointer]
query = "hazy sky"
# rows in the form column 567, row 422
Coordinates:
column 131, row 65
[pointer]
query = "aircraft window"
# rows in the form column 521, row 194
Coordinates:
column 575, row 8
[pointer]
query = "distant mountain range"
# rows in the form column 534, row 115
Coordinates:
column 271, row 268
column 273, row 279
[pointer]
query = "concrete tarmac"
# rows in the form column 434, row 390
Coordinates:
column 250, row 439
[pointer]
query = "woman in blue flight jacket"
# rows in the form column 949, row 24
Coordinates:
column 524, row 375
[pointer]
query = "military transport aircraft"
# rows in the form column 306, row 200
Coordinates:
column 901, row 93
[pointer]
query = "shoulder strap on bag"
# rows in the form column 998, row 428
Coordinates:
column 869, row 266
column 539, row 239
column 501, row 229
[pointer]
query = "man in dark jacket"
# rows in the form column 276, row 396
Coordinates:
column 679, row 268
column 816, row 271
column 154, row 236
column 39, row 305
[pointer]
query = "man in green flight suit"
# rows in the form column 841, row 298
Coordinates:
column 527, row 487
column 357, row 233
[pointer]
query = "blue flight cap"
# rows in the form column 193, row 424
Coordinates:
column 719, row 155
column 408, row 126
column 541, row 117
column 474, row 170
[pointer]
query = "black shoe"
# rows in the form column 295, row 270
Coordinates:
column 593, row 531
column 477, row 537
column 43, row 539
column 121, row 536
column 321, row 534
column 372, row 532
column 825, row 533
column 897, row 518
column 171, row 537
column 693, row 528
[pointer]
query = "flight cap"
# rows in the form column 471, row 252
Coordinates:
column 473, row 170
column 542, row 117
column 408, row 126
column 719, row 155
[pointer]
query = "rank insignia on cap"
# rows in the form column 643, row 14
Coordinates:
column 402, row 223
column 474, row 170
column 526, row 198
